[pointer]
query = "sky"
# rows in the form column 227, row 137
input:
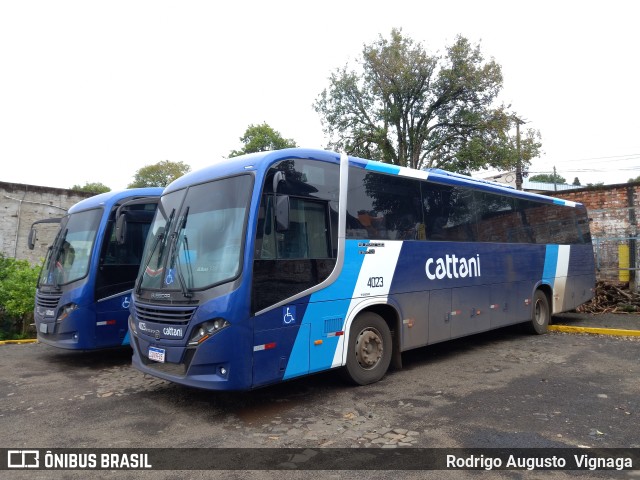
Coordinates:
column 92, row 91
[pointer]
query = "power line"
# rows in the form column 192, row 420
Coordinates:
column 622, row 158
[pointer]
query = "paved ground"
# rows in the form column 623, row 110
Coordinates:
column 498, row 389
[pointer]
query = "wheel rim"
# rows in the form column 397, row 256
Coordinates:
column 540, row 313
column 369, row 348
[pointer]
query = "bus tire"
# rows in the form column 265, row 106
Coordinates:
column 541, row 314
column 369, row 350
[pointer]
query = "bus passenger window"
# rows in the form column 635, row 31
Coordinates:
column 383, row 207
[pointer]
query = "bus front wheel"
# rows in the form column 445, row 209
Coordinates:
column 369, row 350
column 541, row 314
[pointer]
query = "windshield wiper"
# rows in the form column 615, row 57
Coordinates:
column 186, row 291
column 55, row 256
column 159, row 238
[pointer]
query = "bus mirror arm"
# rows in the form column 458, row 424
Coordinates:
column 282, row 213
column 33, row 233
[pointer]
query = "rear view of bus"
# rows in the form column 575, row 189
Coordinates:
column 83, row 292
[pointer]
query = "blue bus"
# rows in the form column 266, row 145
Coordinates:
column 279, row 264
column 84, row 289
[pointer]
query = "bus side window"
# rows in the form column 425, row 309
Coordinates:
column 307, row 236
column 383, row 207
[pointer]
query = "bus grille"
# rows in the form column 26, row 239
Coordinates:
column 47, row 300
column 164, row 315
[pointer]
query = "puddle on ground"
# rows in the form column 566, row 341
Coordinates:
column 265, row 412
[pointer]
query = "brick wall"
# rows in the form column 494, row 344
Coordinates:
column 614, row 211
column 612, row 208
column 20, row 206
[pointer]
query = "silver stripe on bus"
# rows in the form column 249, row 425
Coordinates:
column 116, row 295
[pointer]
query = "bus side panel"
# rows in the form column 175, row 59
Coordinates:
column 280, row 343
column 582, row 288
column 415, row 319
column 366, row 275
column 581, row 280
column 439, row 315
column 111, row 321
column 274, row 351
column 470, row 312
column 501, row 302
column 568, row 269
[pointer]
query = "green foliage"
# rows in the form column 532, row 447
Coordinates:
column 18, row 281
column 94, row 187
column 261, row 138
column 407, row 107
column 632, row 180
column 576, row 182
column 549, row 178
column 159, row 174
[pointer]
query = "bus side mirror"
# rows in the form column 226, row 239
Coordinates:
column 31, row 241
column 282, row 204
column 277, row 178
column 121, row 228
column 282, row 213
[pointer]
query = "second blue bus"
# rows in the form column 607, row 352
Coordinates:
column 84, row 289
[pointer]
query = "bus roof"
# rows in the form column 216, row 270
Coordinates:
column 113, row 197
column 246, row 163
column 261, row 160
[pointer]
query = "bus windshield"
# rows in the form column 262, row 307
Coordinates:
column 68, row 258
column 200, row 246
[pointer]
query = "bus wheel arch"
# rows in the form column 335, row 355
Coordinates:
column 540, row 311
column 371, row 344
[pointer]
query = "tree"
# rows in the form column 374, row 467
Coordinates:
column 261, row 138
column 18, row 279
column 413, row 109
column 549, row 178
column 94, row 187
column 632, row 180
column 159, row 174
column 576, row 182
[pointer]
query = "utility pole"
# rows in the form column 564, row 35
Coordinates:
column 519, row 160
column 555, row 179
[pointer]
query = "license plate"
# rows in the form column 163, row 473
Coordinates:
column 156, row 354
column 43, row 328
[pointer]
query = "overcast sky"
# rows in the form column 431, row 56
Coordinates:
column 91, row 91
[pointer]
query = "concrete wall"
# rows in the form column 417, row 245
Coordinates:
column 20, row 206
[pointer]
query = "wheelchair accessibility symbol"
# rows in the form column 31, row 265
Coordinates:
column 169, row 278
column 126, row 303
column 288, row 315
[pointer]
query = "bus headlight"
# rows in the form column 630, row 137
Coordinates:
column 65, row 311
column 132, row 326
column 207, row 329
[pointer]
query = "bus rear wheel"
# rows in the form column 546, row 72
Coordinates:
column 369, row 349
column 541, row 314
